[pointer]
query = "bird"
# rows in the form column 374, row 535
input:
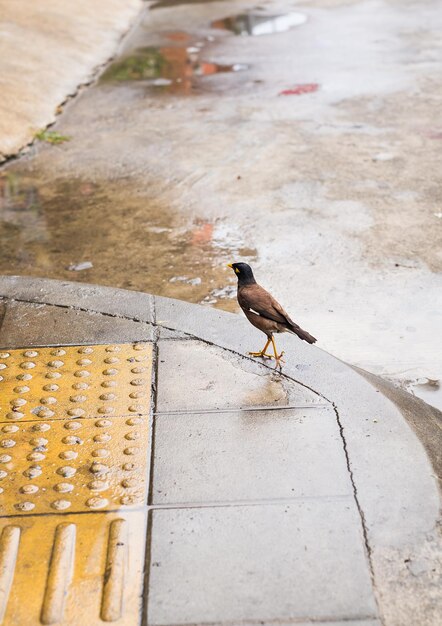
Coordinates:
column 264, row 312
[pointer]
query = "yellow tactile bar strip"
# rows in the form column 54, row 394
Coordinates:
column 74, row 381
column 72, row 569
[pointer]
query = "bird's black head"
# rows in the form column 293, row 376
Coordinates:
column 243, row 273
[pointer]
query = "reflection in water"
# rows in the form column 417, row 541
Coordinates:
column 132, row 241
column 22, row 221
column 175, row 69
column 255, row 24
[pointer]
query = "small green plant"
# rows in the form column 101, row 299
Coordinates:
column 51, row 136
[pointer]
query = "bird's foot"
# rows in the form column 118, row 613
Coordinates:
column 279, row 361
column 262, row 355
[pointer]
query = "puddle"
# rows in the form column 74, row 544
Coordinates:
column 256, row 24
column 429, row 390
column 175, row 69
column 117, row 236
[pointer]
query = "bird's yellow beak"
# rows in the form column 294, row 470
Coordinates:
column 230, row 265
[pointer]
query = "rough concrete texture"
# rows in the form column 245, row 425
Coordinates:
column 355, row 459
column 48, row 49
column 330, row 194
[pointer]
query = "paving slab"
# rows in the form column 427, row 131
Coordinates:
column 300, row 560
column 248, row 455
column 27, row 324
column 209, row 378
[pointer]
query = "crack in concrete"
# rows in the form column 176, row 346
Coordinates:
column 368, row 549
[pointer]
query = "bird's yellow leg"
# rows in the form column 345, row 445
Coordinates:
column 278, row 358
column 263, row 351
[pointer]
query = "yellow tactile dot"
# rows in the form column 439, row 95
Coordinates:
column 24, row 506
column 106, row 409
column 80, row 386
column 110, row 371
column 56, row 363
column 77, row 412
column 27, row 365
column 39, row 441
column 15, row 414
column 33, row 472
column 82, row 373
column 51, row 387
column 55, row 375
column 58, row 352
column 60, row 505
column 4, row 355
column 41, row 427
column 63, row 487
column 78, row 398
column 36, row 456
column 21, row 389
column 10, row 428
column 109, row 383
column 73, row 425
column 102, row 438
column 108, row 396
column 97, row 503
column 98, row 485
column 30, row 353
column 84, row 362
column 7, row 443
column 132, row 436
column 18, row 402
column 111, row 359
column 136, row 394
column 24, row 377
column 5, row 458
column 29, row 489
column 68, row 455
column 48, row 400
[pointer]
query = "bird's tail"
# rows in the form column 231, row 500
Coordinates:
column 302, row 334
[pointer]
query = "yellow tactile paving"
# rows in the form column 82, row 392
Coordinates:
column 74, row 381
column 73, row 465
column 74, row 450
column 72, row 569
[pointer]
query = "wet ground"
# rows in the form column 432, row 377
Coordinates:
column 311, row 150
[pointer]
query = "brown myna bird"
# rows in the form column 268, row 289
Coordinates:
column 264, row 312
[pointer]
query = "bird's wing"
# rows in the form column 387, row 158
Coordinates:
column 256, row 298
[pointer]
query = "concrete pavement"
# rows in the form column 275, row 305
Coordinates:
column 274, row 498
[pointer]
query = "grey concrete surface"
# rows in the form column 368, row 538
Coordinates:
column 248, row 455
column 331, row 194
column 376, row 476
column 69, row 41
column 64, row 325
column 218, row 385
column 300, row 560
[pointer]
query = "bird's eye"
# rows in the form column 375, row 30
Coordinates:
column 236, row 270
